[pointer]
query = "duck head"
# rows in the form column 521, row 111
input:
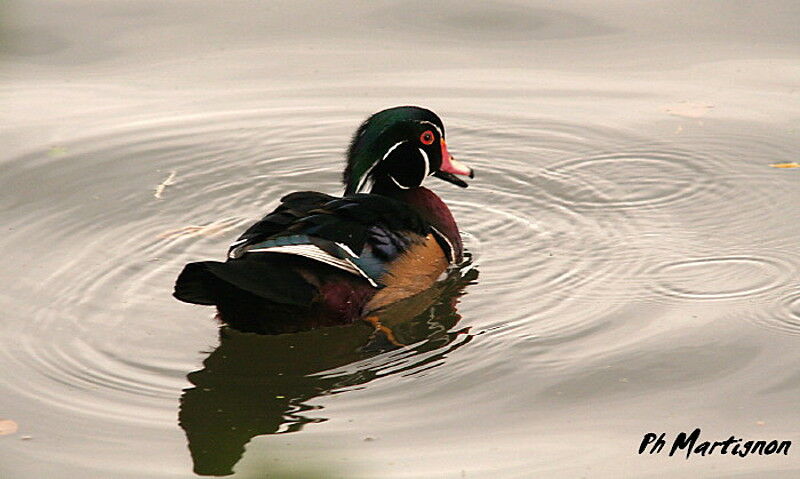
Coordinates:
column 396, row 149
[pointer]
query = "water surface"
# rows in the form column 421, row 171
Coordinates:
column 634, row 256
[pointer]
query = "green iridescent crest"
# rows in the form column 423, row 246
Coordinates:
column 373, row 139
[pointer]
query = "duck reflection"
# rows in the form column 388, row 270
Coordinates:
column 254, row 384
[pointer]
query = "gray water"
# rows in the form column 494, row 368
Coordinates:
column 634, row 255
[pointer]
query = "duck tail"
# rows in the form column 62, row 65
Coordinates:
column 197, row 285
column 216, row 283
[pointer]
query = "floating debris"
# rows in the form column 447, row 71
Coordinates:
column 785, row 165
column 167, row 182
column 7, row 426
column 688, row 109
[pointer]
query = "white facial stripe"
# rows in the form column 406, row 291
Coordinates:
column 441, row 135
column 359, row 188
column 392, row 149
column 398, row 184
column 364, row 178
column 427, row 163
column 369, row 185
column 427, row 170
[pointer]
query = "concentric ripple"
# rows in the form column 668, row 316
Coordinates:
column 626, row 180
column 788, row 314
column 556, row 266
column 109, row 328
column 721, row 277
column 567, row 224
column 782, row 315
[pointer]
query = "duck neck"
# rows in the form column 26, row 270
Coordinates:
column 431, row 208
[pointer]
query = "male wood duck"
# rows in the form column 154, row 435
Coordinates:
column 319, row 260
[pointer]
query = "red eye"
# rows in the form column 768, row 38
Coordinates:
column 426, row 138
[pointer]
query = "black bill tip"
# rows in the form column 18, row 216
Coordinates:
column 451, row 178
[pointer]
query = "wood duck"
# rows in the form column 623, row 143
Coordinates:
column 319, row 260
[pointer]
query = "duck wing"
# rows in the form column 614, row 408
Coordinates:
column 287, row 255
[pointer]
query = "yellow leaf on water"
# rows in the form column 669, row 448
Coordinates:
column 785, row 165
column 7, row 426
column 57, row 151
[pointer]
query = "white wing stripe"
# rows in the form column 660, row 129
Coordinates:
column 347, row 249
column 314, row 252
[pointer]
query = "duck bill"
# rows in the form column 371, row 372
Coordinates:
column 450, row 168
